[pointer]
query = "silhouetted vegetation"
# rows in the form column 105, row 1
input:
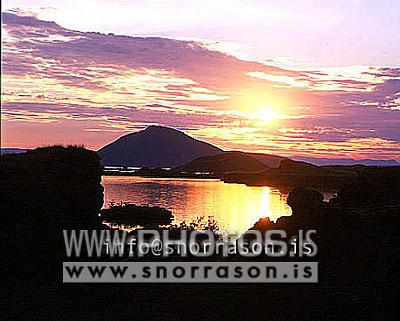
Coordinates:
column 199, row 223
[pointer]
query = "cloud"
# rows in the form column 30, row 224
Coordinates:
column 110, row 84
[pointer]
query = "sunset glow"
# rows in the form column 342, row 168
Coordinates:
column 63, row 84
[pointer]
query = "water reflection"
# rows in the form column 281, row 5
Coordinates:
column 235, row 207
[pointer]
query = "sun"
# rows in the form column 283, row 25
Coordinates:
column 264, row 116
column 267, row 114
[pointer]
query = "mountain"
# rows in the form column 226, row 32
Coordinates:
column 156, row 146
column 5, row 151
column 223, row 163
column 346, row 161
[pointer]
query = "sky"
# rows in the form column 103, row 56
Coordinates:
column 309, row 78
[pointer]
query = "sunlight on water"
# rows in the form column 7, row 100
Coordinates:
column 235, row 207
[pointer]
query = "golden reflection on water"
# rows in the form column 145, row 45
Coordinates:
column 235, row 207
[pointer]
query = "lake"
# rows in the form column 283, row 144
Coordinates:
column 235, row 207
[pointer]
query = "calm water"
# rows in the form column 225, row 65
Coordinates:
column 235, row 207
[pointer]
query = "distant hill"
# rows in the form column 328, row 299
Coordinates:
column 223, row 163
column 346, row 161
column 291, row 165
column 292, row 174
column 269, row 160
column 156, row 146
column 5, row 151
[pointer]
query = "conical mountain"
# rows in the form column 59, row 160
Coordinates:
column 156, row 146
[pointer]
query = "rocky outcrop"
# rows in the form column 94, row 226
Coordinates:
column 53, row 187
column 357, row 236
column 134, row 215
column 43, row 192
column 373, row 185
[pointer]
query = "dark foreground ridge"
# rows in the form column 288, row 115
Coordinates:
column 47, row 190
column 43, row 192
column 52, row 187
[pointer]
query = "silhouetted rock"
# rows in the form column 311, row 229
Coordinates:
column 357, row 236
column 43, row 192
column 134, row 215
column 373, row 185
column 53, row 187
column 304, row 198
